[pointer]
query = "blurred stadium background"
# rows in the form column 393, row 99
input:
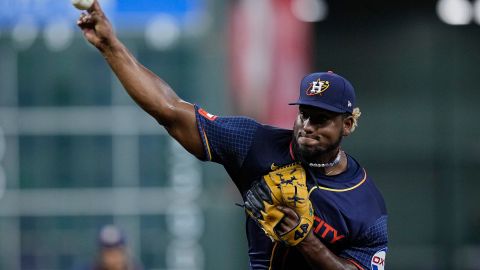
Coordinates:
column 76, row 153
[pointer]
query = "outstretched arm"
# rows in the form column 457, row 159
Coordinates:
column 149, row 91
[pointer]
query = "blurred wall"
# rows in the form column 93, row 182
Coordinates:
column 76, row 153
column 417, row 82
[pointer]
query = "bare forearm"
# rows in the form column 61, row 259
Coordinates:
column 148, row 90
column 155, row 97
column 315, row 252
column 320, row 257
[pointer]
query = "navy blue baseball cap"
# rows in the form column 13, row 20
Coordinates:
column 327, row 90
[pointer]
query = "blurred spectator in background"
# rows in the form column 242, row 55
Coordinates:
column 112, row 252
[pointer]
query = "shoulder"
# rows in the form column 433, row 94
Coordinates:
column 237, row 122
column 364, row 191
column 205, row 118
column 370, row 211
column 270, row 145
column 270, row 149
column 367, row 199
column 225, row 139
column 352, row 195
column 369, row 193
column 273, row 135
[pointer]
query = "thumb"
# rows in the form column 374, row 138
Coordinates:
column 289, row 212
column 91, row 36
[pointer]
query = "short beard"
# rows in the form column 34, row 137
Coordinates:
column 306, row 157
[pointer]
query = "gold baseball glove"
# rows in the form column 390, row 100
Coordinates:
column 285, row 186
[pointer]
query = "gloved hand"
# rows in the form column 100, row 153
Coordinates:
column 285, row 186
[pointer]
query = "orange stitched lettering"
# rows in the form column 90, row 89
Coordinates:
column 328, row 229
column 336, row 237
column 319, row 225
column 329, row 233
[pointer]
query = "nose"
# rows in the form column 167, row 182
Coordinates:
column 307, row 127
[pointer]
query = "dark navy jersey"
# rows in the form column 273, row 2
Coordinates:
column 350, row 213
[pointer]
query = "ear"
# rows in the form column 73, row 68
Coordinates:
column 347, row 125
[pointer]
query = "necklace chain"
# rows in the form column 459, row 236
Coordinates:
column 327, row 165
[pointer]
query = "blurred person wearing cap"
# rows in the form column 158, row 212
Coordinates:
column 348, row 228
column 112, row 252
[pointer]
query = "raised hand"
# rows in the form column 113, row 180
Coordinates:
column 96, row 27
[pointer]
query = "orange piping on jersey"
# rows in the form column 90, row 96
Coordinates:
column 208, row 145
column 271, row 256
column 355, row 263
column 341, row 190
column 291, row 151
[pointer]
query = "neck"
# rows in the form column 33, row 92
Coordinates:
column 336, row 163
column 339, row 168
column 327, row 161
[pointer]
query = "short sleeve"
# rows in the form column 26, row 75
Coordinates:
column 226, row 140
column 369, row 251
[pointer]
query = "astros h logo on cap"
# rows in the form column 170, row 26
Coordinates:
column 328, row 91
column 317, row 87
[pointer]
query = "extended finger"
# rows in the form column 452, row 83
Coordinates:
column 262, row 191
column 87, row 19
column 81, row 19
column 291, row 218
column 95, row 8
column 288, row 222
column 253, row 204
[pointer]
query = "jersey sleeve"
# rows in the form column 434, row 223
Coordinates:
column 226, row 140
column 370, row 250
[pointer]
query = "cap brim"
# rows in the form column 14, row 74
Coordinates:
column 320, row 105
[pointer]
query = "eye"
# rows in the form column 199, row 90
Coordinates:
column 319, row 120
column 305, row 115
